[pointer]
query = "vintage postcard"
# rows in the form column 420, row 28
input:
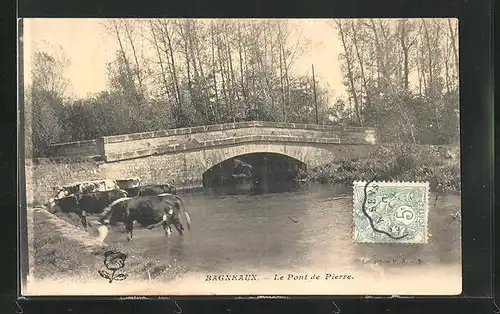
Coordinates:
column 241, row 157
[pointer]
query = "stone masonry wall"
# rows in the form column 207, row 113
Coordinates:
column 43, row 174
column 186, row 169
column 112, row 145
column 79, row 148
column 151, row 140
column 149, row 143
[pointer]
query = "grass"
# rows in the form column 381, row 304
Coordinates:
column 57, row 256
column 437, row 164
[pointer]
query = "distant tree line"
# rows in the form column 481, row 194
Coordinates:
column 185, row 72
column 380, row 61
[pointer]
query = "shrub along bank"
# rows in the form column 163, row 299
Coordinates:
column 439, row 165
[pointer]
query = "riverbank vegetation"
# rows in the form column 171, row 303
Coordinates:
column 439, row 165
column 57, row 256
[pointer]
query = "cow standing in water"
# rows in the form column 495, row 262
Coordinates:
column 149, row 211
column 84, row 204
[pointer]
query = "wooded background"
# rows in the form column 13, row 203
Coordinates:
column 401, row 77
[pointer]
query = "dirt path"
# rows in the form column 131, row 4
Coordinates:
column 66, row 229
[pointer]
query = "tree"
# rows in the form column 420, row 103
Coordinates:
column 403, row 73
column 45, row 97
column 169, row 73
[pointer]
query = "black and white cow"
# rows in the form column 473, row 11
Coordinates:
column 84, row 204
column 150, row 211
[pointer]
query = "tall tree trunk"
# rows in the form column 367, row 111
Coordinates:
column 360, row 60
column 381, row 72
column 125, row 59
column 405, row 49
column 287, row 79
column 172, row 63
column 242, row 73
column 234, row 86
column 188, row 66
column 221, row 68
column 214, row 71
column 281, row 80
column 454, row 45
column 429, row 61
column 422, row 68
column 204, row 82
column 137, row 65
column 191, row 35
column 419, row 73
column 187, row 56
column 245, row 59
column 350, row 74
column 160, row 60
column 264, row 70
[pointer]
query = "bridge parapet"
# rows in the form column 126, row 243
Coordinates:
column 230, row 126
column 127, row 146
column 78, row 148
column 178, row 148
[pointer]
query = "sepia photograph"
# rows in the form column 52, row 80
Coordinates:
column 252, row 157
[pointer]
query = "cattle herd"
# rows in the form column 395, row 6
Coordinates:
column 122, row 201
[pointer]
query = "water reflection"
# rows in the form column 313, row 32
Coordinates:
column 253, row 188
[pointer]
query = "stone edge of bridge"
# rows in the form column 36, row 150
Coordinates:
column 227, row 126
column 177, row 148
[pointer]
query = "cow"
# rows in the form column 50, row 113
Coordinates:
column 128, row 183
column 87, row 203
column 149, row 190
column 86, row 187
column 150, row 211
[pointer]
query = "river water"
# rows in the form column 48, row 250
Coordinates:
column 309, row 227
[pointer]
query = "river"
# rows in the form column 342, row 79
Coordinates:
column 298, row 229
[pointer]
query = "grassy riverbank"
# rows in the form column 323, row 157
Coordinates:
column 440, row 165
column 57, row 256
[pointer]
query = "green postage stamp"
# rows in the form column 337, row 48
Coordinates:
column 390, row 212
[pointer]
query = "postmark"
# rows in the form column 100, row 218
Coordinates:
column 390, row 212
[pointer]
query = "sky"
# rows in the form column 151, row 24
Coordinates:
column 90, row 48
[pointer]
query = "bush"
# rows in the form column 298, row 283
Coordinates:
column 436, row 164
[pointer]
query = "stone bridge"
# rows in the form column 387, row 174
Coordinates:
column 181, row 156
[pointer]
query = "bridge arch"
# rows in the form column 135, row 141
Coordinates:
column 259, row 169
column 186, row 169
column 198, row 162
column 221, row 155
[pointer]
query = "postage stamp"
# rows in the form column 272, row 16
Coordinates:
column 390, row 212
